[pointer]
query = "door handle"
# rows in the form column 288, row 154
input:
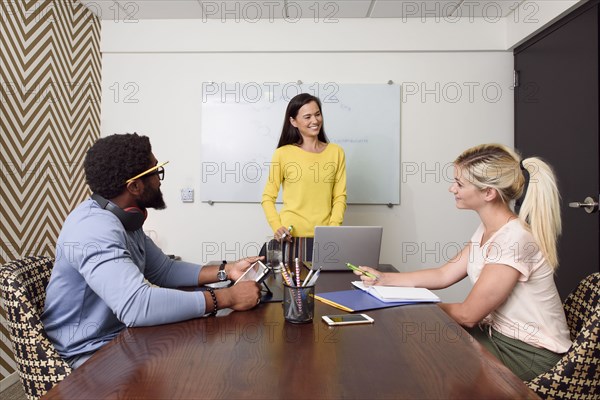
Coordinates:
column 589, row 205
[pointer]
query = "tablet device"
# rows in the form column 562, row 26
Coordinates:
column 257, row 272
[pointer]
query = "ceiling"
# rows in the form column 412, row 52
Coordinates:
column 318, row 10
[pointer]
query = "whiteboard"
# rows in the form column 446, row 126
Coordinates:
column 241, row 125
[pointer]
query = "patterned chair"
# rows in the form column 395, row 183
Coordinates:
column 576, row 375
column 23, row 291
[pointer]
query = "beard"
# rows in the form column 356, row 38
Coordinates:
column 152, row 198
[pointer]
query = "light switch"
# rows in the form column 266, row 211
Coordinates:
column 187, row 195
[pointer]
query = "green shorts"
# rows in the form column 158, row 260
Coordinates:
column 524, row 360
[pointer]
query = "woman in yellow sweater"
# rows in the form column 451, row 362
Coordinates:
column 311, row 170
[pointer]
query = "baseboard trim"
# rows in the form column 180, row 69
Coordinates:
column 9, row 381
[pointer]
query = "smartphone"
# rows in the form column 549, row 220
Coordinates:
column 257, row 272
column 347, row 319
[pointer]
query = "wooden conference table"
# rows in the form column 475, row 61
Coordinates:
column 413, row 351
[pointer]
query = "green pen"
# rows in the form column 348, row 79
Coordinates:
column 290, row 230
column 355, row 268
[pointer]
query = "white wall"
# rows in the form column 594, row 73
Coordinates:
column 451, row 100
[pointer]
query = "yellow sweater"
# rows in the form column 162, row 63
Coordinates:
column 314, row 189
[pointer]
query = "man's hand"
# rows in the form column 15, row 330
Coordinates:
column 243, row 296
column 236, row 269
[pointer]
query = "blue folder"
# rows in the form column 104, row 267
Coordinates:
column 354, row 300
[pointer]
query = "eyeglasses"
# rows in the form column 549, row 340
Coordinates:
column 156, row 170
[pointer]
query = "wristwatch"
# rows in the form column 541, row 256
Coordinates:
column 222, row 274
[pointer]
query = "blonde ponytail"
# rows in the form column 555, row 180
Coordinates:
column 541, row 208
column 534, row 190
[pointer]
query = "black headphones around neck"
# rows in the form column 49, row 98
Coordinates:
column 132, row 218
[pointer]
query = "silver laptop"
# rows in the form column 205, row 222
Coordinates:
column 335, row 246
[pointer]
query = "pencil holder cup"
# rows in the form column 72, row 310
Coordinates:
column 298, row 303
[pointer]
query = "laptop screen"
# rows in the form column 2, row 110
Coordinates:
column 334, row 246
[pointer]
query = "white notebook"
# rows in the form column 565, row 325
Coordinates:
column 393, row 294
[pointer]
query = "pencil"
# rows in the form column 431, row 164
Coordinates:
column 333, row 304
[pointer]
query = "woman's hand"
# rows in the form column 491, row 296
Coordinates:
column 236, row 269
column 283, row 233
column 372, row 276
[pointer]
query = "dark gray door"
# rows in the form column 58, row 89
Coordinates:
column 557, row 118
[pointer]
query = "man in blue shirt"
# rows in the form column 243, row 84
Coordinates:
column 109, row 275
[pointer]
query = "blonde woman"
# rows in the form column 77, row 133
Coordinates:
column 514, row 308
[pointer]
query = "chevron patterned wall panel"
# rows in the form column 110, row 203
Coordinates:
column 49, row 116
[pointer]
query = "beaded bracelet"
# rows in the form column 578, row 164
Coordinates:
column 214, row 299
